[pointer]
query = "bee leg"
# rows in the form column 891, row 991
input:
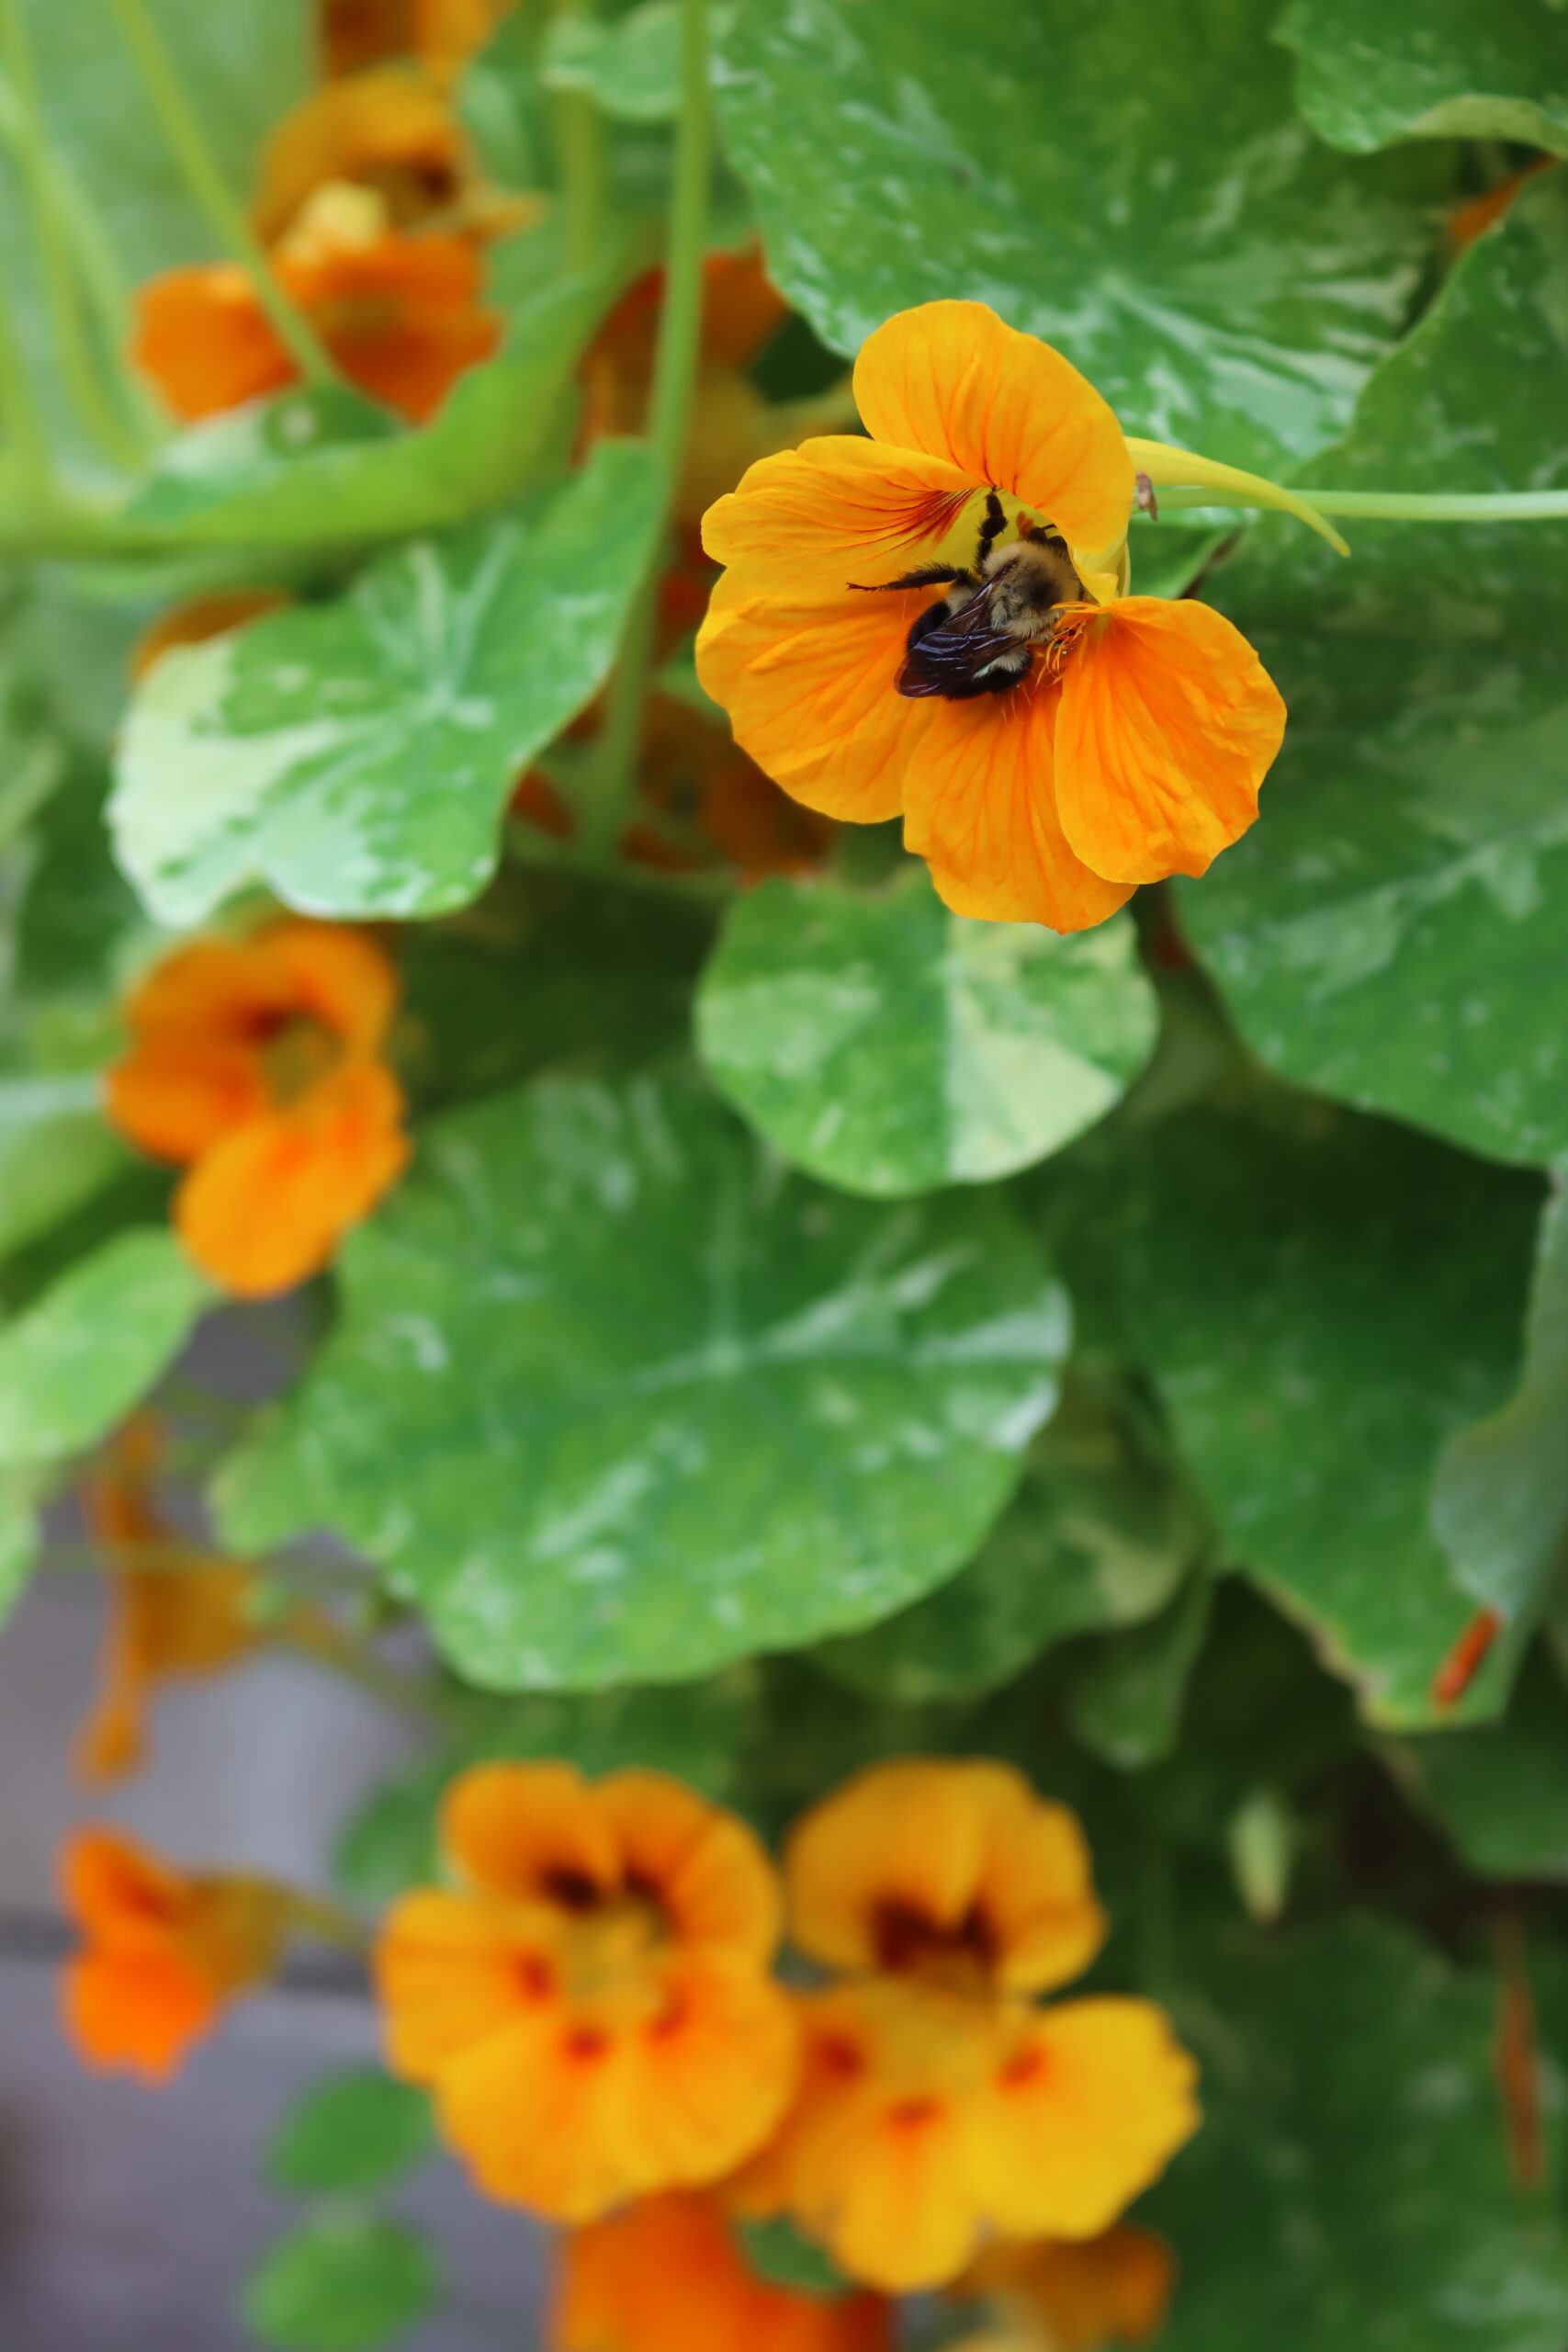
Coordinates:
column 925, row 575
column 991, row 529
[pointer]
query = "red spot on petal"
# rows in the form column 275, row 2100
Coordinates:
column 585, row 2045
column 838, row 2056
column 1026, row 2067
column 534, row 1977
column 914, row 2114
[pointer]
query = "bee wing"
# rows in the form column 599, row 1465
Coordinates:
column 949, row 656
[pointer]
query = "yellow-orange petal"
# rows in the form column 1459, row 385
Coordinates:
column 811, row 696
column 1090, row 2107
column 162, row 1622
column 980, row 806
column 709, row 1872
column 914, row 1862
column 452, row 1976
column 511, row 1827
column 835, row 513
column 711, row 2076
column 953, row 379
column 268, row 1207
column 1167, row 726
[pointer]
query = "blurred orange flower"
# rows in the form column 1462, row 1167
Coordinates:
column 400, row 315
column 939, row 2106
column 721, row 802
column 592, row 2006
column 1060, row 2297
column 163, row 1954
column 162, row 1622
column 1050, row 740
column 255, row 1061
column 444, row 34
column 386, row 130
column 732, row 424
column 666, row 2275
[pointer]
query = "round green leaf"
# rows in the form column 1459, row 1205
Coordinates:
column 1125, row 1696
column 357, row 755
column 353, row 2131
column 76, row 1361
column 1324, row 1300
column 614, row 1398
column 1129, row 181
column 890, row 1047
column 1098, row 1534
column 1372, row 70
column 345, row 2284
column 1390, row 930
column 630, row 67
column 1501, row 1502
column 1351, row 2184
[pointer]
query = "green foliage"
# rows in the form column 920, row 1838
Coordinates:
column 1373, row 71
column 1129, row 182
column 616, row 1402
column 1325, row 1301
column 1389, row 933
column 83, row 1354
column 300, row 751
column 1501, row 1794
column 343, row 2283
column 1351, row 2179
column 889, row 1046
column 351, row 2131
column 629, row 67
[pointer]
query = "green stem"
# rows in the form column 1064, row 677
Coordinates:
column 78, row 369
column 212, row 191
column 1412, row 506
column 26, row 451
column 669, row 422
column 580, row 158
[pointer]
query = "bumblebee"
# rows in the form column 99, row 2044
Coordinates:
column 976, row 639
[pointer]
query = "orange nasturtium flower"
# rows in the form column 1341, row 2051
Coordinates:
column 592, row 2005
column 163, row 1954
column 933, row 622
column 256, row 1062
column 665, row 2275
column 164, row 1622
column 1055, row 2296
column 387, row 130
column 399, row 314
column 940, row 2106
column 442, row 34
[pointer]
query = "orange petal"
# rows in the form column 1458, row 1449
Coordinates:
column 545, row 2117
column 710, row 2077
column 1093, row 2102
column 139, row 2010
column 811, row 696
column 337, row 976
column 268, row 1207
column 1168, row 724
column 711, row 1875
column 177, row 1099
column 111, row 1884
column 508, row 1826
column 953, row 380
column 835, row 514
column 980, row 806
column 204, row 340
column 386, row 126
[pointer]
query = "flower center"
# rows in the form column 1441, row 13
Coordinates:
column 297, row 1052
column 615, row 1939
column 959, row 1954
